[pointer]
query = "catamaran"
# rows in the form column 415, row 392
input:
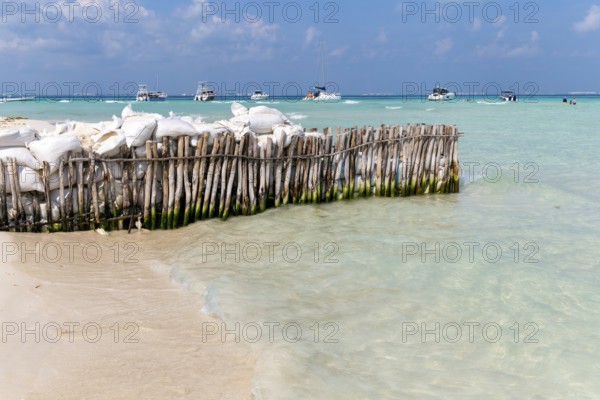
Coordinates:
column 203, row 93
column 320, row 93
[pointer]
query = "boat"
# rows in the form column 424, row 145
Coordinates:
column 9, row 98
column 203, row 93
column 320, row 93
column 508, row 95
column 259, row 95
column 144, row 94
column 441, row 94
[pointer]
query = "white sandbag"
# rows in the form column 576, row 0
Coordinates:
column 239, row 128
column 55, row 203
column 260, row 123
column 26, row 201
column 140, row 152
column 214, row 130
column 263, row 140
column 283, row 133
column 174, row 127
column 115, row 172
column 22, row 155
column 128, row 113
column 53, row 149
column 318, row 135
column 268, row 111
column 110, row 144
column 108, row 126
column 28, row 180
column 17, row 137
column 117, row 123
column 190, row 120
column 61, row 128
column 138, row 131
column 84, row 132
column 54, row 179
column 237, row 109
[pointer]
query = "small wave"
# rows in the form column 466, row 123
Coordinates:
column 114, row 102
column 297, row 116
column 430, row 109
column 227, row 101
column 267, row 102
column 492, row 103
column 65, row 101
column 351, row 102
column 393, row 108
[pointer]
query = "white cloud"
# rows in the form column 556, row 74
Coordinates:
column 340, row 51
column 500, row 26
column 382, row 37
column 311, row 34
column 476, row 25
column 443, row 46
column 495, row 50
column 528, row 49
column 591, row 22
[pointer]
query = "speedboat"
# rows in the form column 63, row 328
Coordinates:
column 203, row 93
column 508, row 95
column 441, row 94
column 144, row 94
column 259, row 95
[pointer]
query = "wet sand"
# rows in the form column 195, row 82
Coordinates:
column 126, row 331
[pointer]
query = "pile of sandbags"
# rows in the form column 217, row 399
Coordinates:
column 25, row 146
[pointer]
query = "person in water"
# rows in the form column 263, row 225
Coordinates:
column 565, row 100
column 574, row 102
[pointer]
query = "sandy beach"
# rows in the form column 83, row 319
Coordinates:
column 97, row 317
column 18, row 122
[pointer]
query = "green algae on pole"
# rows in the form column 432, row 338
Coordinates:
column 181, row 179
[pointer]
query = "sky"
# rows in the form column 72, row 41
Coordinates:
column 383, row 46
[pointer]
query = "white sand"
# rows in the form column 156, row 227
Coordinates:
column 170, row 360
column 8, row 123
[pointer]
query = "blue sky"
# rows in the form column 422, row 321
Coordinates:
column 372, row 47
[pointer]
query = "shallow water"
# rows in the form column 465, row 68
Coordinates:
column 348, row 297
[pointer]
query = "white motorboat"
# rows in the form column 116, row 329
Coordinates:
column 259, row 95
column 441, row 94
column 508, row 95
column 144, row 94
column 203, row 93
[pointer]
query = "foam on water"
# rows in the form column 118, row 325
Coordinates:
column 297, row 116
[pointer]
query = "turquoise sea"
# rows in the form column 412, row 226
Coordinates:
column 490, row 293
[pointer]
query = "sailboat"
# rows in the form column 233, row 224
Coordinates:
column 320, row 93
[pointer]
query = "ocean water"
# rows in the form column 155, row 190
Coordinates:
column 489, row 293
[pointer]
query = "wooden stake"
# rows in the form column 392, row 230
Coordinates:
column 164, row 218
column 148, row 187
column 179, row 184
